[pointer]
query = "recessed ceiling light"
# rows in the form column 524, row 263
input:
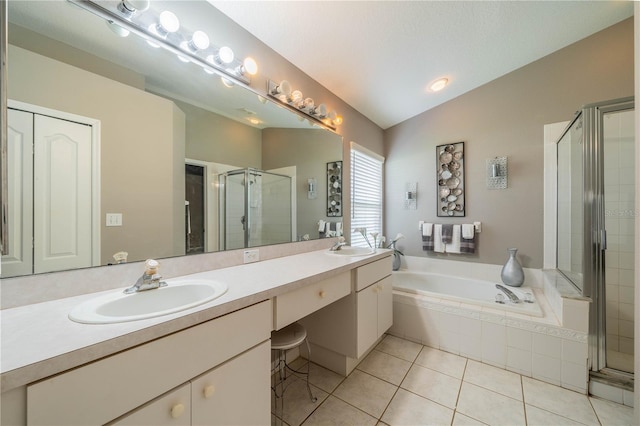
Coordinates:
column 438, row 84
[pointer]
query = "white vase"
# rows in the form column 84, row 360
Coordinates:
column 512, row 273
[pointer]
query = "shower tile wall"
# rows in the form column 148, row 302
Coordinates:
column 235, row 211
column 620, row 214
column 276, row 205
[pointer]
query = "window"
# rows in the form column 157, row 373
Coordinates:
column 366, row 194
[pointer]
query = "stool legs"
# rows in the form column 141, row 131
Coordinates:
column 280, row 376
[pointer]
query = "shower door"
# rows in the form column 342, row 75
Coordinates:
column 256, row 209
column 596, row 213
column 619, row 212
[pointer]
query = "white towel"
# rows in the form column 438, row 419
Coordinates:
column 327, row 227
column 426, row 229
column 454, row 246
column 339, row 229
column 437, row 238
column 468, row 231
column 321, row 225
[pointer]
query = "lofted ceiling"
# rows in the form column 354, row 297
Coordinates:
column 380, row 56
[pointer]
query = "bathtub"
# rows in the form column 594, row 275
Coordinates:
column 458, row 314
column 465, row 290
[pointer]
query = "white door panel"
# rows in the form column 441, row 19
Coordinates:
column 19, row 259
column 62, row 195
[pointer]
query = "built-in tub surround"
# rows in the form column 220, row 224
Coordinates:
column 552, row 348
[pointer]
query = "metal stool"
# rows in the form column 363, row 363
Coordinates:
column 282, row 340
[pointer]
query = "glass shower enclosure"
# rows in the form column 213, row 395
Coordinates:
column 595, row 234
column 255, row 208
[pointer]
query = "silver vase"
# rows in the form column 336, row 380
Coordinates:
column 397, row 261
column 512, row 273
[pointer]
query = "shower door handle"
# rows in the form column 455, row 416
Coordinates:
column 243, row 222
column 603, row 239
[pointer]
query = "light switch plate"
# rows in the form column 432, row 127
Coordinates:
column 251, row 256
column 114, row 219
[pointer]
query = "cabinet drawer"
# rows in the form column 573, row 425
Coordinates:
column 372, row 272
column 106, row 389
column 172, row 409
column 236, row 393
column 297, row 304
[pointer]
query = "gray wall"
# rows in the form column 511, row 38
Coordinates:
column 503, row 118
column 309, row 150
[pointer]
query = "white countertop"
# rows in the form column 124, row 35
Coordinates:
column 39, row 340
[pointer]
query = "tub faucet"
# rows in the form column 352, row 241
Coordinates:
column 338, row 245
column 149, row 280
column 511, row 295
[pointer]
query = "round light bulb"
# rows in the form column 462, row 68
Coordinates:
column 225, row 54
column 297, row 98
column 320, row 110
column 227, row 82
column 169, row 22
column 308, row 103
column 250, row 66
column 117, row 29
column 338, row 120
column 199, row 40
column 332, row 115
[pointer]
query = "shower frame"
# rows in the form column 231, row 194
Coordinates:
column 223, row 203
column 594, row 233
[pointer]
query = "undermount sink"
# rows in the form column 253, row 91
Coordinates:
column 352, row 251
column 119, row 307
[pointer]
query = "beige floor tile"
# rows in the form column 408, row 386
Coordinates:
column 366, row 392
column 325, row 379
column 336, row 412
column 386, row 367
column 297, row 405
column 560, row 401
column 494, row 378
column 610, row 413
column 407, row 408
column 460, row 419
column 401, row 348
column 490, row 407
column 539, row 417
column 433, row 385
column 444, row 362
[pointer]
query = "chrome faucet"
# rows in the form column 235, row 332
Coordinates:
column 338, row 245
column 149, row 280
column 511, row 295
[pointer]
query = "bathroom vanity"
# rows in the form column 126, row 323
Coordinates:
column 204, row 365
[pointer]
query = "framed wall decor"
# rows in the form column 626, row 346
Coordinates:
column 334, row 189
column 450, row 179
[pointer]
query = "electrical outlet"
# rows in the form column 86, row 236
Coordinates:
column 114, row 219
column 251, row 256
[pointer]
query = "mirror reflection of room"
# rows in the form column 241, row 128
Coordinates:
column 153, row 134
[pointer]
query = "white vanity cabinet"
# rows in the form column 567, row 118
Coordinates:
column 374, row 313
column 235, row 345
column 341, row 333
column 172, row 409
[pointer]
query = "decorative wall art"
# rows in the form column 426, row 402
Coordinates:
column 334, row 189
column 450, row 179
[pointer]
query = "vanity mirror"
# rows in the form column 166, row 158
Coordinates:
column 161, row 132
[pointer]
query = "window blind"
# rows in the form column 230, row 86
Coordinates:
column 366, row 194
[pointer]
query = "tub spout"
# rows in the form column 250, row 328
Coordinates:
column 511, row 295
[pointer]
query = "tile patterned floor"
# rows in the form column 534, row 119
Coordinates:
column 405, row 383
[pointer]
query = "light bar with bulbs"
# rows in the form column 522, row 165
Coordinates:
column 295, row 100
column 165, row 30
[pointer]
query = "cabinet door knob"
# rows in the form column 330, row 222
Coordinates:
column 208, row 391
column 177, row 410
column 321, row 294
